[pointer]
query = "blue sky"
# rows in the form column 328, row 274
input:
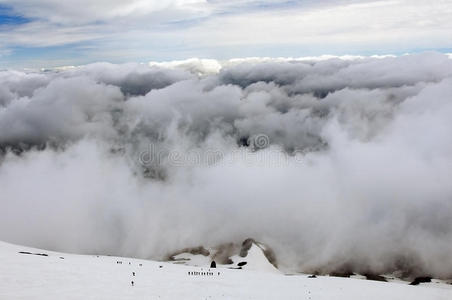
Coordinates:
column 9, row 17
column 47, row 33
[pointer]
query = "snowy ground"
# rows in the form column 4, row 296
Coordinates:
column 69, row 276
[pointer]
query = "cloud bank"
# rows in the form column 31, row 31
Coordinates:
column 356, row 174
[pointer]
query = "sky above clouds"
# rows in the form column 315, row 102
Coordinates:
column 54, row 33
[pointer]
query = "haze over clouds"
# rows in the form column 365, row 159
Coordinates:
column 49, row 33
column 356, row 175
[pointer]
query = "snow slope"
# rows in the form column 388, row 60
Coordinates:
column 70, row 276
column 255, row 260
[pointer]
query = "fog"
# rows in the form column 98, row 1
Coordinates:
column 335, row 164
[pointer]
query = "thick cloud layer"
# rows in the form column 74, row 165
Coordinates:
column 336, row 164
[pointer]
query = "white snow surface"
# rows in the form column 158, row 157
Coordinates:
column 71, row 276
column 255, row 260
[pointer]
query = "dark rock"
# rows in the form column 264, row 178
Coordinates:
column 312, row 276
column 341, row 274
column 213, row 264
column 246, row 245
column 194, row 251
column 26, row 252
column 418, row 280
column 242, row 263
column 375, row 277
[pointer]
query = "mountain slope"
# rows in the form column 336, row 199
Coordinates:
column 40, row 274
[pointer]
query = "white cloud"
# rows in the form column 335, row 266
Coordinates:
column 180, row 29
column 378, row 24
column 85, row 11
column 357, row 173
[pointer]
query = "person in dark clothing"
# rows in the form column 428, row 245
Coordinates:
column 213, row 264
column 132, row 283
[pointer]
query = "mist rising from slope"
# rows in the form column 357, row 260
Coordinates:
column 117, row 159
